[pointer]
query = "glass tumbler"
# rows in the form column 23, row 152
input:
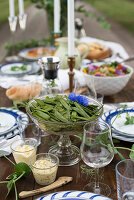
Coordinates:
column 44, row 168
column 24, row 149
column 31, row 130
column 125, row 179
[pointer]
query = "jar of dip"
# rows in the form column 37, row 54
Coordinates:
column 44, row 168
column 24, row 150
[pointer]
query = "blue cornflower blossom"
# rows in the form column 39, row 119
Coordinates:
column 80, row 99
column 72, row 96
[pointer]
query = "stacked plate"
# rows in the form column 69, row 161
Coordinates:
column 19, row 69
column 116, row 118
column 8, row 122
column 73, row 195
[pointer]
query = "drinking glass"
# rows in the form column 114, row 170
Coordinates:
column 97, row 151
column 29, row 131
column 24, row 150
column 125, row 179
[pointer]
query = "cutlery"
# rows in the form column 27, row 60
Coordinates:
column 128, row 59
column 60, row 182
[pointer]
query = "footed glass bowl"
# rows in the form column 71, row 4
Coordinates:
column 68, row 154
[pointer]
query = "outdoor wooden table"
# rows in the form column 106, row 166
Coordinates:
column 79, row 179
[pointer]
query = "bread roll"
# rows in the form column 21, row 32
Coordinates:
column 96, row 51
column 23, row 92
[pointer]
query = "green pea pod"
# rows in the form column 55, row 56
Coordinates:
column 60, row 117
column 65, row 105
column 83, row 113
column 39, row 102
column 43, row 115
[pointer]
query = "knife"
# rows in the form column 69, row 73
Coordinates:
column 60, row 182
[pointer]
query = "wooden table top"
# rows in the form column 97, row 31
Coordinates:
column 80, row 179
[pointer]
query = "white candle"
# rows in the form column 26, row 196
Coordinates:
column 56, row 16
column 21, row 7
column 11, row 8
column 70, row 27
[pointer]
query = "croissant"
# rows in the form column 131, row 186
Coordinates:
column 23, row 92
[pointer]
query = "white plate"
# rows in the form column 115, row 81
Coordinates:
column 120, row 131
column 13, row 130
column 7, row 121
column 6, row 68
column 23, row 53
column 73, row 195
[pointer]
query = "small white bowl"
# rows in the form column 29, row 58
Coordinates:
column 107, row 85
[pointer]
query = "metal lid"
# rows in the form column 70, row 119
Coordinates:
column 49, row 59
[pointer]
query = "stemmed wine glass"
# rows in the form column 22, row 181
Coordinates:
column 97, row 151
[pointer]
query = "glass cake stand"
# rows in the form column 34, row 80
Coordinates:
column 68, row 154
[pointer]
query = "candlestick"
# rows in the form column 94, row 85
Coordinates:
column 56, row 16
column 71, row 64
column 22, row 21
column 21, row 8
column 11, row 8
column 71, row 28
column 56, row 35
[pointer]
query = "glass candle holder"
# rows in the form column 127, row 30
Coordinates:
column 44, row 168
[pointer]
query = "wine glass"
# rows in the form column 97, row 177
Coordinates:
column 97, row 151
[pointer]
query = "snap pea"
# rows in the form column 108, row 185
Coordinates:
column 42, row 115
column 39, row 102
column 81, row 111
column 65, row 105
column 62, row 109
column 59, row 116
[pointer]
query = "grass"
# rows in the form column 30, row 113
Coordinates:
column 121, row 11
column 4, row 9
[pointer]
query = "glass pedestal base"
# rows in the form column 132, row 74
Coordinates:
column 102, row 190
column 67, row 156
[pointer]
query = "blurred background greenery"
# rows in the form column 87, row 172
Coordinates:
column 121, row 11
column 4, row 9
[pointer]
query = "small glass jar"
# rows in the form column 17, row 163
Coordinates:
column 44, row 168
column 24, row 150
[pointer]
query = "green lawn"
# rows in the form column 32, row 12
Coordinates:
column 121, row 11
column 4, row 9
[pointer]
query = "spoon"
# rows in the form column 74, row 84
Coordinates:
column 60, row 182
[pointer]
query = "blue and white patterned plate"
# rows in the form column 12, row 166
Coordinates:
column 10, row 118
column 6, row 68
column 73, row 195
column 116, row 119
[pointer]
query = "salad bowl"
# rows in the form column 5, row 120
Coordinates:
column 107, row 85
column 68, row 154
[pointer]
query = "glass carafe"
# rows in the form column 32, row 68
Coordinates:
column 50, row 83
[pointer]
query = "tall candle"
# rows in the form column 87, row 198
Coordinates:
column 11, row 8
column 71, row 28
column 21, row 7
column 56, row 15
